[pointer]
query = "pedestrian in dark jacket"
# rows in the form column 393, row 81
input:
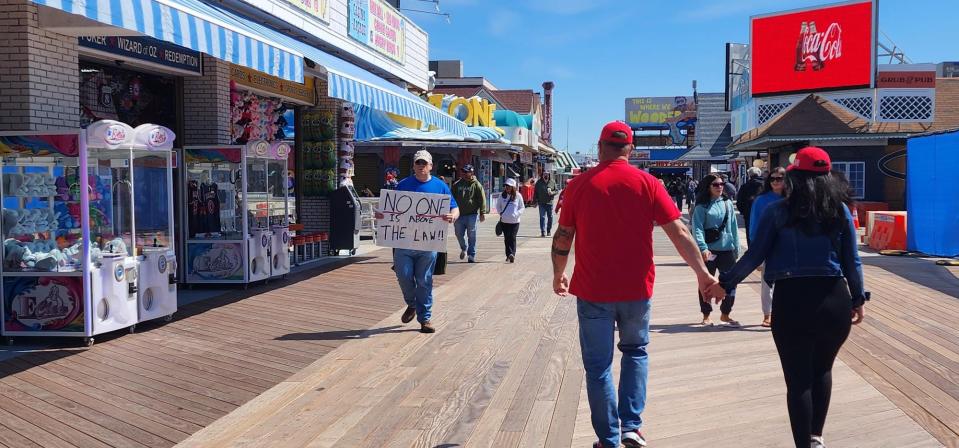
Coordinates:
column 471, row 198
column 747, row 194
column 544, row 193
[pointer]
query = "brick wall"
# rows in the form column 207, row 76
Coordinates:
column 39, row 72
column 947, row 103
column 206, row 105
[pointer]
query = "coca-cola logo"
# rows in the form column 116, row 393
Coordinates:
column 815, row 48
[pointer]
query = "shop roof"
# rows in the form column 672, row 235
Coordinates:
column 817, row 116
column 519, row 101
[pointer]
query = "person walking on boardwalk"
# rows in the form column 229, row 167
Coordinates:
column 609, row 213
column 510, row 207
column 772, row 191
column 414, row 268
column 809, row 244
column 471, row 199
column 544, row 194
column 747, row 194
column 717, row 235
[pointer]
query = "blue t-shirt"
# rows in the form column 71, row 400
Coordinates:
column 433, row 185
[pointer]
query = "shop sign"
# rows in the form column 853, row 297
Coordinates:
column 376, row 24
column 671, row 164
column 907, row 79
column 273, row 85
column 526, row 157
column 316, row 8
column 832, row 48
column 474, row 111
column 146, row 49
column 677, row 114
column 639, row 155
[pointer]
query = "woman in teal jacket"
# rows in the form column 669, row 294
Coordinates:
column 716, row 231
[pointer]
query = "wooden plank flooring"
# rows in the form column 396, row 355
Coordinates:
column 504, row 370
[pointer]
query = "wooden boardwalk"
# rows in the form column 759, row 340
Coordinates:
column 504, row 370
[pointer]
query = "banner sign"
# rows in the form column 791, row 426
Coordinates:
column 146, row 49
column 316, row 8
column 674, row 113
column 832, row 48
column 376, row 24
column 906, row 80
column 412, row 220
column 273, row 85
column 737, row 75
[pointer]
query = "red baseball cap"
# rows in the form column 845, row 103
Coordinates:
column 811, row 159
column 613, row 127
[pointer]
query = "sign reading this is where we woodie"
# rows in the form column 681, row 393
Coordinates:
column 412, row 220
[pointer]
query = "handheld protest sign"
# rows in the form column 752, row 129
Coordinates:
column 412, row 220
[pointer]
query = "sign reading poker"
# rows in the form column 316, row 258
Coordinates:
column 412, row 220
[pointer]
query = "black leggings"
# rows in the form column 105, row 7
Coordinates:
column 725, row 260
column 509, row 237
column 813, row 318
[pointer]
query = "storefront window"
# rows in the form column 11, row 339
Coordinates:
column 131, row 97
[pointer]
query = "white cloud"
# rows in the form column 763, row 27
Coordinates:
column 502, row 22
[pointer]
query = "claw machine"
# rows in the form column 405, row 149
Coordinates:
column 236, row 213
column 69, row 262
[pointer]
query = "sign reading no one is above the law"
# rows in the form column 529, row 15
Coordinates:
column 412, row 220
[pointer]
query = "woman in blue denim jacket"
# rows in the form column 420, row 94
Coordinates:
column 809, row 245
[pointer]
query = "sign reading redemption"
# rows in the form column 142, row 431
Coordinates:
column 146, row 49
column 830, row 47
column 272, row 85
column 377, row 25
column 412, row 220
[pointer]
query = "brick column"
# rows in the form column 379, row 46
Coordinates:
column 39, row 73
column 206, row 105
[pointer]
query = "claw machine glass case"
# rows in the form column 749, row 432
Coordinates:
column 70, row 265
column 236, row 213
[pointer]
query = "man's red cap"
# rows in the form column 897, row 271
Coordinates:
column 812, row 159
column 616, row 126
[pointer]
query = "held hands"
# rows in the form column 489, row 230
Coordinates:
column 449, row 217
column 561, row 285
column 711, row 289
column 482, row 217
column 707, row 255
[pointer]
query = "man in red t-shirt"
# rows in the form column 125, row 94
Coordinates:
column 610, row 212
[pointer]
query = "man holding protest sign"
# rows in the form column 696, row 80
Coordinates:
column 414, row 222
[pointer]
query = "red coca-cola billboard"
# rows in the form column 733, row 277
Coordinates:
column 826, row 48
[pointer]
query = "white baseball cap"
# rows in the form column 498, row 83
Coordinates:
column 422, row 155
column 511, row 182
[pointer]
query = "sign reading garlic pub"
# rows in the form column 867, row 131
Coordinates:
column 378, row 26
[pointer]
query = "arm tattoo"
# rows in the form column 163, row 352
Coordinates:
column 560, row 252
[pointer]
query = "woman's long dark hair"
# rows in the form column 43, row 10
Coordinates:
column 768, row 183
column 816, row 202
column 704, row 194
column 507, row 195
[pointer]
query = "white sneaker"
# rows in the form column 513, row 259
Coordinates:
column 816, row 442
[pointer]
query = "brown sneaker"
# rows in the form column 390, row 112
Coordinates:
column 409, row 314
column 427, row 327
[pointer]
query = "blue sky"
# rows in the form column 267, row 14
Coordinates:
column 598, row 52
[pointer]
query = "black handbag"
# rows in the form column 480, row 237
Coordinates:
column 714, row 234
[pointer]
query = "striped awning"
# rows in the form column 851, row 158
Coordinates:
column 195, row 25
column 352, row 83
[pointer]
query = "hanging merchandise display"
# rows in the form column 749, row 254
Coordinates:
column 75, row 244
column 346, row 148
column 237, row 209
column 319, row 154
column 253, row 117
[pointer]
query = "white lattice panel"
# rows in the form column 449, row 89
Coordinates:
column 766, row 112
column 907, row 105
column 859, row 102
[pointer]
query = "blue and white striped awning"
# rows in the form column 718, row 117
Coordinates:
column 351, row 83
column 195, row 25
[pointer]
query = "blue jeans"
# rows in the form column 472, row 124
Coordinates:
column 597, row 322
column 465, row 227
column 545, row 218
column 414, row 271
